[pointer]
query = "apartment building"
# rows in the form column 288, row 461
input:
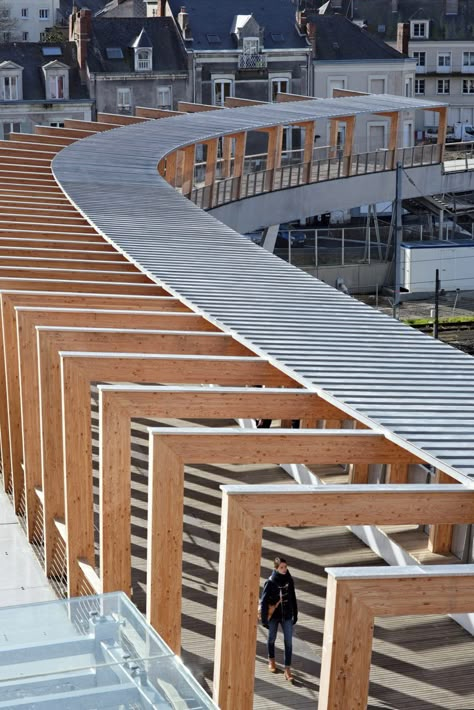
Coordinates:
column 24, row 21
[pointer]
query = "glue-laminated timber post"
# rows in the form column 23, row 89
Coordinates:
column 26, row 319
column 309, row 128
column 274, row 148
column 356, row 597
column 118, row 404
column 398, row 473
column 442, row 129
column 211, row 162
column 226, row 156
column 306, row 446
column 239, row 154
column 171, row 168
column 252, row 508
column 440, row 538
column 189, row 154
column 78, row 370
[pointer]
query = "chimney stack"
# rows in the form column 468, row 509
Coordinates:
column 301, row 21
column 311, row 32
column 80, row 24
column 183, row 21
column 394, row 5
column 403, row 35
column 161, row 12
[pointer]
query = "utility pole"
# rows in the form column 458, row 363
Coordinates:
column 436, row 313
column 398, row 240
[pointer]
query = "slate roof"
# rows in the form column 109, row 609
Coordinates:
column 123, row 8
column 211, row 18
column 379, row 16
column 337, row 38
column 121, row 32
column 29, row 55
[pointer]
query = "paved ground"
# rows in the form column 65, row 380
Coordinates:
column 22, row 580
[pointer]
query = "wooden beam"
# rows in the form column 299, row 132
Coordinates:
column 235, row 102
column 211, row 162
column 262, row 446
column 189, row 107
column 359, row 473
column 285, row 98
column 441, row 536
column 155, row 113
column 227, row 156
column 26, row 319
column 188, row 169
column 119, row 119
column 247, row 506
column 397, row 473
column 347, row 649
column 78, row 371
column 117, row 406
column 171, row 167
column 355, row 598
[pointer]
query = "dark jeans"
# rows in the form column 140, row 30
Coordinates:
column 287, row 626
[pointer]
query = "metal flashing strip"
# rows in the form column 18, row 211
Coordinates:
column 353, row 356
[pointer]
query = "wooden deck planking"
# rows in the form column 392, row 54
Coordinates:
column 419, row 663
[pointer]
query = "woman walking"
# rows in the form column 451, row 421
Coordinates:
column 278, row 606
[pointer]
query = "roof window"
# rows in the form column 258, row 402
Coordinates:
column 51, row 51
column 114, row 53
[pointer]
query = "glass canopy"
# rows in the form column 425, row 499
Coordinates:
column 90, row 653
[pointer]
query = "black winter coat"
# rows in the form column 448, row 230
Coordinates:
column 279, row 587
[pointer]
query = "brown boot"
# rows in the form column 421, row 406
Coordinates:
column 272, row 665
column 288, row 674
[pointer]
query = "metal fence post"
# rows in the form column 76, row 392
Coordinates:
column 342, row 249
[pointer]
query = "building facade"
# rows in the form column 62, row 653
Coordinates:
column 24, row 21
column 40, row 85
column 249, row 50
column 130, row 62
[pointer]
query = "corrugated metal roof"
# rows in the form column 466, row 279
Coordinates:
column 418, row 389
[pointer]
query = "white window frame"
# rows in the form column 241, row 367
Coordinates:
column 419, row 29
column 250, row 45
column 6, row 95
column 331, row 80
column 11, row 125
column 467, row 66
column 443, row 63
column 221, row 80
column 418, row 84
column 443, row 83
column 143, row 59
column 278, row 79
column 469, row 84
column 43, row 14
column 24, row 13
column 54, row 80
column 124, row 91
column 377, row 124
column 161, row 90
column 377, row 77
column 420, row 57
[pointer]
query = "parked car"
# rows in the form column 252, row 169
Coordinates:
column 298, row 239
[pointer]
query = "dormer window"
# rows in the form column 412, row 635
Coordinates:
column 143, row 60
column 250, row 45
column 419, row 29
column 143, row 52
column 56, row 80
column 10, row 81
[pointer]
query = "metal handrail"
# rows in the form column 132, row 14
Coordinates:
column 331, row 167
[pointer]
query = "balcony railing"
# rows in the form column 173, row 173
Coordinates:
column 327, row 164
column 252, row 61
